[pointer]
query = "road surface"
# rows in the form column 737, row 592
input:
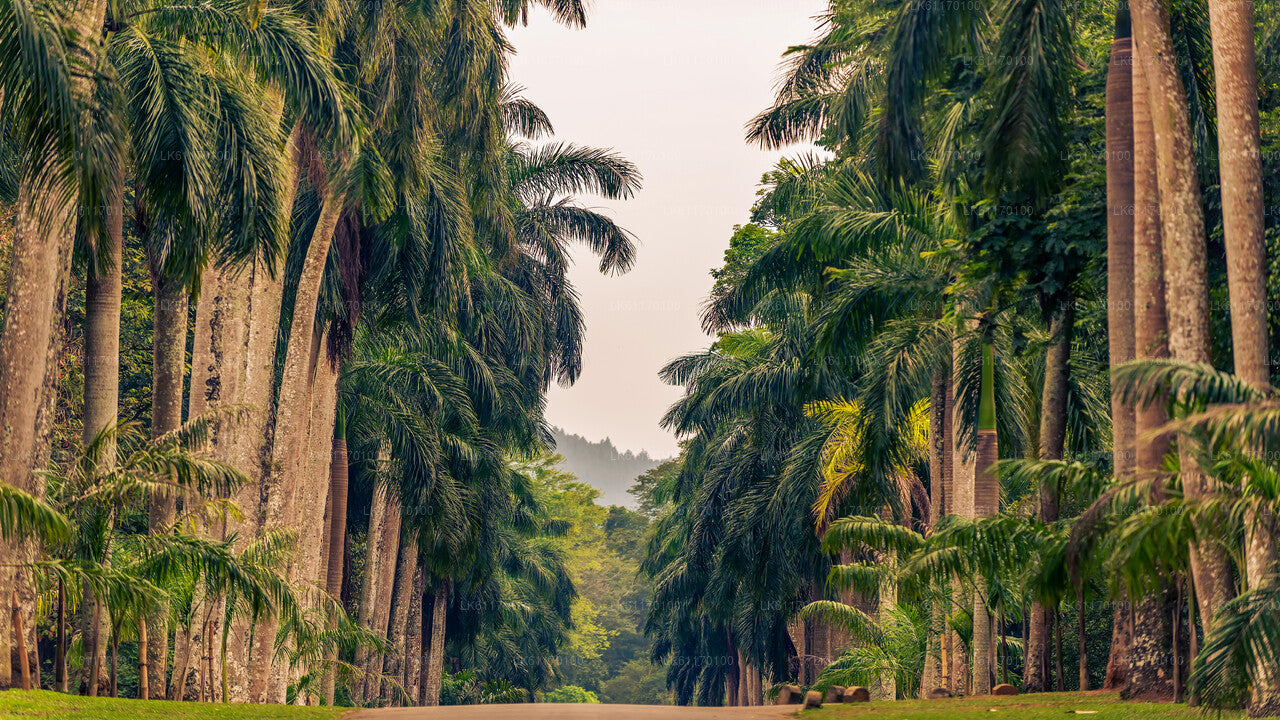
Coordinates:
column 557, row 711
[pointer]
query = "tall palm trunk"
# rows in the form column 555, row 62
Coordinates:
column 233, row 362
column 933, row 660
column 169, row 356
column 1186, row 282
column 269, row 677
column 1149, row 664
column 40, row 261
column 1120, row 294
column 1053, row 431
column 103, row 293
column 398, row 631
column 412, row 678
column 433, row 670
column 734, row 674
column 1240, row 168
column 369, row 584
column 986, row 502
column 337, row 531
column 380, row 567
column 957, row 475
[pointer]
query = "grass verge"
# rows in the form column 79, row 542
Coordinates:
column 52, row 705
column 1039, row 706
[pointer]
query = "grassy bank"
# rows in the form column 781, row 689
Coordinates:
column 1042, row 706
column 51, row 705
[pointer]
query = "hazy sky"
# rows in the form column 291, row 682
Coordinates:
column 668, row 83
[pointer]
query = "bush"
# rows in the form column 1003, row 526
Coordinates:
column 570, row 694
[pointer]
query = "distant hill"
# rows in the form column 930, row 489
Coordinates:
column 603, row 466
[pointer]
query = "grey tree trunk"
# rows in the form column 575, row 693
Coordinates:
column 398, row 632
column 338, row 481
column 369, row 583
column 382, row 571
column 433, row 672
column 412, row 679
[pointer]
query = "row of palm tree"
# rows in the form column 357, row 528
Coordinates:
column 356, row 225
column 903, row 458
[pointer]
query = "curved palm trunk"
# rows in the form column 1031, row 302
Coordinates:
column 283, row 486
column 986, row 501
column 1187, row 295
column 433, row 672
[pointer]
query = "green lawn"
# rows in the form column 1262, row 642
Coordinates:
column 1097, row 706
column 46, row 704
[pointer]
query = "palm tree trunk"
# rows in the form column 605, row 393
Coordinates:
column 1082, row 653
column 433, row 672
column 115, row 663
column 886, row 686
column 744, row 679
column 398, row 631
column 958, row 476
column 103, row 292
column 143, row 679
column 1058, row 677
column 933, row 675
column 1120, row 292
column 733, row 675
column 20, row 641
column 233, row 362
column 1240, row 168
column 986, row 503
column 39, row 265
column 412, row 679
column 381, row 572
column 369, row 584
column 291, row 423
column 337, row 533
column 169, row 353
column 60, row 652
column 1186, row 289
column 1053, row 431
column 1148, row 662
column 1117, row 676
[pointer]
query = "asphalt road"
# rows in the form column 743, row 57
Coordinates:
column 555, row 711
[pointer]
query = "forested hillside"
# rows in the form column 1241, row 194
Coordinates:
column 603, row 466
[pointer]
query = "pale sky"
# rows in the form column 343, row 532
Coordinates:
column 669, row 84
